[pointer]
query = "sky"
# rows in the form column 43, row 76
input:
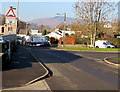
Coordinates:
column 34, row 9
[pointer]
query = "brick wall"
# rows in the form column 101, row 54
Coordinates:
column 68, row 40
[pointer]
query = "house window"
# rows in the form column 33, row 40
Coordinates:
column 2, row 29
column 9, row 28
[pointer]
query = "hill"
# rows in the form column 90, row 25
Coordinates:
column 51, row 22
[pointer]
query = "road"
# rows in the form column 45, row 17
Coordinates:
column 77, row 70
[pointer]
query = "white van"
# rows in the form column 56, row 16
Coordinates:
column 103, row 44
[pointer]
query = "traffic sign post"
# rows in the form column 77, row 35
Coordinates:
column 10, row 16
column 11, row 13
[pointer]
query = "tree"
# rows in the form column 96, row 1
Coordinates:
column 2, row 19
column 93, row 14
column 44, row 32
column 61, row 27
column 20, row 25
column 41, row 28
column 44, row 29
column 33, row 26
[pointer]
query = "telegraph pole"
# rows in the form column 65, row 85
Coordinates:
column 64, row 30
column 64, row 23
column 17, row 8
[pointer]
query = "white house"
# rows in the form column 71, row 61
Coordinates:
column 35, row 32
column 108, row 25
column 59, row 33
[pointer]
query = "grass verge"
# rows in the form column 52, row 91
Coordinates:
column 118, row 58
column 89, row 49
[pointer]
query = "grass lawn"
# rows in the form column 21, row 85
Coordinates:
column 119, row 59
column 89, row 49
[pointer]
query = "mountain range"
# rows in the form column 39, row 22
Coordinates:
column 52, row 21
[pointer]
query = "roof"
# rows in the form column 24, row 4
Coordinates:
column 22, row 31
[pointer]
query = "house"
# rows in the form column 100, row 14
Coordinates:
column 35, row 32
column 7, row 29
column 8, row 22
column 108, row 25
column 22, row 33
column 57, row 34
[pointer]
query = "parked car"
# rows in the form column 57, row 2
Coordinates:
column 1, row 39
column 103, row 44
column 36, row 40
column 43, row 44
column 20, row 41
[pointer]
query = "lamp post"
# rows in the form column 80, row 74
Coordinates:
column 18, row 8
column 17, row 19
column 64, row 29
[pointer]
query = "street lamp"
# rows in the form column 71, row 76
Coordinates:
column 17, row 19
column 17, row 8
column 64, row 28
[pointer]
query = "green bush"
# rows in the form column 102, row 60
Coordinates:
column 115, row 41
column 83, row 41
column 48, row 38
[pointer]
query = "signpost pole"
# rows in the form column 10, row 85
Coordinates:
column 9, row 50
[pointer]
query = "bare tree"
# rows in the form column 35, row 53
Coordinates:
column 92, row 14
column 2, row 19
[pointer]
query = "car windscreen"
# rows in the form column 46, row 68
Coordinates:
column 106, row 43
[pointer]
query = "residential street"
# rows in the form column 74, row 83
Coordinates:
column 72, row 70
column 57, row 46
column 76, row 70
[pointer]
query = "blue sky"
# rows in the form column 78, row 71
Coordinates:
column 33, row 10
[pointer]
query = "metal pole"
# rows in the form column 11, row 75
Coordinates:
column 17, row 24
column 64, row 29
column 17, row 8
column 70, row 25
column 9, row 50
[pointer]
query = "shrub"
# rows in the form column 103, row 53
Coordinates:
column 115, row 41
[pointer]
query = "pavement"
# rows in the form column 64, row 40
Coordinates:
column 112, row 61
column 24, row 72
column 1, row 71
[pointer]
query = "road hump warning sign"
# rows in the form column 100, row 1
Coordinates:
column 11, row 13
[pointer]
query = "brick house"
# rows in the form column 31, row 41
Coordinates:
column 7, row 28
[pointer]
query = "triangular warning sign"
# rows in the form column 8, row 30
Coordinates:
column 10, row 13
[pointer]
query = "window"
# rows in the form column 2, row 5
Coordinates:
column 2, row 29
column 104, row 43
column 9, row 28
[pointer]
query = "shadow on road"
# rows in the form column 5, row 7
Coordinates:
column 19, row 59
column 48, row 55
column 24, row 67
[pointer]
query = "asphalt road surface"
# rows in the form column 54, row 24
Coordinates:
column 77, row 70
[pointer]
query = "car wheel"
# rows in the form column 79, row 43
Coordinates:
column 108, row 47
